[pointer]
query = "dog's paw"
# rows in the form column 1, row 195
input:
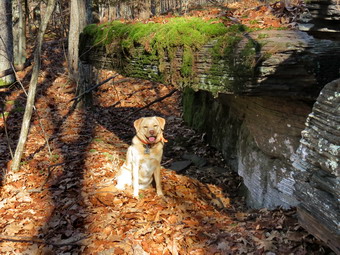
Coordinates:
column 136, row 194
column 160, row 194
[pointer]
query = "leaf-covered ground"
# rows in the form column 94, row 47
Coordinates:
column 63, row 200
column 254, row 14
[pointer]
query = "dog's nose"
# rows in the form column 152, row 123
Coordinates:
column 152, row 132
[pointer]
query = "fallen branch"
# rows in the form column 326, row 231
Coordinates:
column 149, row 104
column 22, row 239
column 27, row 239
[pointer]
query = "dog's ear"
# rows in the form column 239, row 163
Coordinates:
column 161, row 122
column 137, row 123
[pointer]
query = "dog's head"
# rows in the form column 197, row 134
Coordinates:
column 150, row 129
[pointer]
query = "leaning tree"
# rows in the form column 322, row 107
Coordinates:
column 32, row 87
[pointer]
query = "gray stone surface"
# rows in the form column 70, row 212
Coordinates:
column 179, row 166
column 258, row 136
column 323, row 19
column 317, row 168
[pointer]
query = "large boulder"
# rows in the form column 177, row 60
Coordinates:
column 317, row 175
column 258, row 136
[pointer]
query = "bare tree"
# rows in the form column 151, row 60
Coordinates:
column 32, row 88
column 6, row 40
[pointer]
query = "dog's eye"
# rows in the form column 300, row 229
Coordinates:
column 145, row 126
column 155, row 126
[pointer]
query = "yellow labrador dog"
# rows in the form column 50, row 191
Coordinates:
column 143, row 158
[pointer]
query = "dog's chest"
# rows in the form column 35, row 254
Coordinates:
column 145, row 172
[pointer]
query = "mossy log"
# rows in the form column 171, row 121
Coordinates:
column 215, row 58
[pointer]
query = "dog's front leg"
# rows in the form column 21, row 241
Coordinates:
column 157, row 175
column 135, row 182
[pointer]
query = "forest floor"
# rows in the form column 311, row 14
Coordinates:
column 63, row 200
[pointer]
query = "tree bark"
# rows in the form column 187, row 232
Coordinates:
column 79, row 72
column 19, row 34
column 6, row 40
column 32, row 88
column 78, row 20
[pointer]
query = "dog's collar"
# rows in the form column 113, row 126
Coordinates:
column 163, row 140
column 147, row 148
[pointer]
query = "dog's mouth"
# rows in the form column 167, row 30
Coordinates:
column 152, row 139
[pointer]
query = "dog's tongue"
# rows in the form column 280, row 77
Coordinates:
column 152, row 139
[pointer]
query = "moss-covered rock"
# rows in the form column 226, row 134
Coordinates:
column 168, row 52
column 207, row 55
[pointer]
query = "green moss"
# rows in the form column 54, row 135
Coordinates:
column 188, row 105
column 262, row 36
column 236, row 56
column 188, row 61
column 253, row 22
column 4, row 83
column 166, row 52
column 160, row 43
column 223, row 54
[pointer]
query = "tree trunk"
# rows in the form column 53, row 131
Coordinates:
column 32, row 88
column 6, row 40
column 19, row 34
column 78, row 20
column 110, row 10
column 80, row 17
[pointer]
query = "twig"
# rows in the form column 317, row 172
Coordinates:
column 149, row 104
column 27, row 239
column 93, row 46
column 46, row 180
column 97, row 85
column 49, row 172
column 23, row 239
